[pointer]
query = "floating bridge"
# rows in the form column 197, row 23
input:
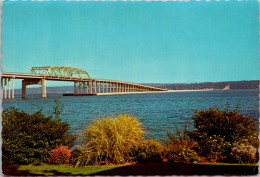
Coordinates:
column 84, row 85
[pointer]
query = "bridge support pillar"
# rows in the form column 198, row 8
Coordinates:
column 44, row 93
column 3, row 85
column 9, row 88
column 13, row 89
column 26, row 82
column 23, row 89
column 2, row 93
column 95, row 88
column 91, row 86
column 5, row 88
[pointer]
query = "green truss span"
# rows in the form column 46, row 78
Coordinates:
column 60, row 71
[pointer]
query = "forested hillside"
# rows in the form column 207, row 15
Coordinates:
column 210, row 85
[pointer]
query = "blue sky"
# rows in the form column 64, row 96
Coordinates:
column 142, row 42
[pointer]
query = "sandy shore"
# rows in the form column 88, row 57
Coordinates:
column 187, row 90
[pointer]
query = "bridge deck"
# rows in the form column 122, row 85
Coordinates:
column 82, row 86
column 107, row 94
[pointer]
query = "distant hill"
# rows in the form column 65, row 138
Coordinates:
column 254, row 84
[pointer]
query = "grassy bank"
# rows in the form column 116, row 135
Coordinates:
column 158, row 168
column 50, row 170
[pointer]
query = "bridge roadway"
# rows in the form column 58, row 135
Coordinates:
column 82, row 86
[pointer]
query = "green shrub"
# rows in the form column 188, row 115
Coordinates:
column 60, row 155
column 226, row 128
column 182, row 154
column 243, row 154
column 149, row 150
column 179, row 148
column 214, row 147
column 110, row 139
column 229, row 124
column 29, row 138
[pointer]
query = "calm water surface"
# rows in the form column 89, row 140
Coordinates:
column 158, row 112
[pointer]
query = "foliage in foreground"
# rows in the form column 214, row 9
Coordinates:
column 243, row 154
column 110, row 140
column 217, row 132
column 150, row 150
column 179, row 148
column 28, row 138
column 60, row 155
column 220, row 135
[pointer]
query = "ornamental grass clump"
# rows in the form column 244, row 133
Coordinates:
column 110, row 140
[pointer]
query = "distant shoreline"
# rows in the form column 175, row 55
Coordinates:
column 172, row 87
column 188, row 90
column 129, row 93
column 118, row 93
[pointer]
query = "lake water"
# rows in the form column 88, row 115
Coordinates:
column 158, row 112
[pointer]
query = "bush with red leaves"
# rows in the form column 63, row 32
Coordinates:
column 60, row 155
